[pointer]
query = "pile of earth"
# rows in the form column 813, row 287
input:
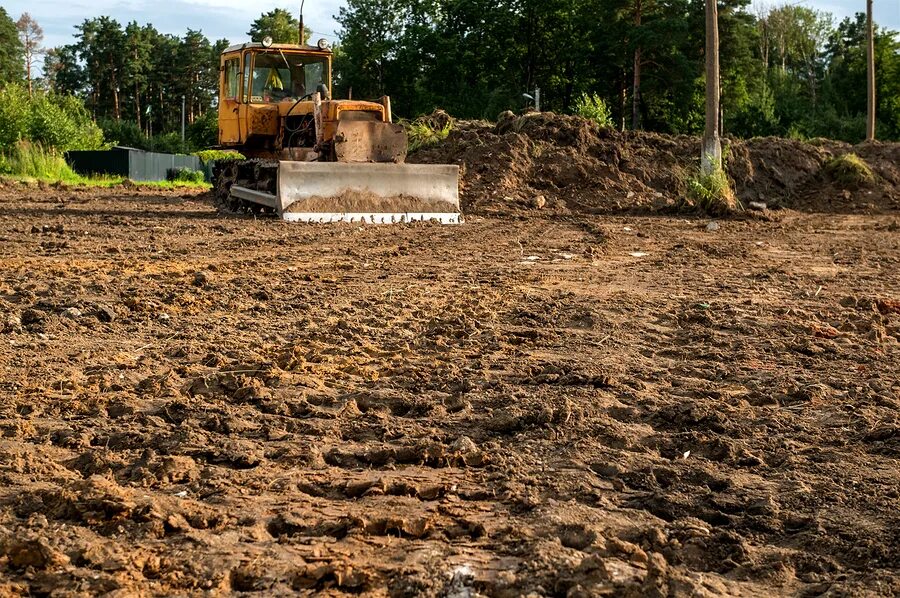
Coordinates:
column 568, row 164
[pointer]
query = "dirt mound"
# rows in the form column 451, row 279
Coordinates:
column 568, row 164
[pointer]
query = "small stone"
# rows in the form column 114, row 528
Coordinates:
column 464, row 445
column 757, row 205
column 712, row 226
column 72, row 312
column 539, row 201
column 163, row 317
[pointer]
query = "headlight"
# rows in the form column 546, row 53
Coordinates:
column 323, row 44
column 267, row 41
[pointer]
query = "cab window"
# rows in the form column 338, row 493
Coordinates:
column 280, row 76
column 232, row 78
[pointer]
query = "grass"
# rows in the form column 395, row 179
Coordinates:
column 850, row 170
column 30, row 163
column 712, row 193
column 210, row 155
column 427, row 131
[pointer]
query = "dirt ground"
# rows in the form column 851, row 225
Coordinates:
column 559, row 405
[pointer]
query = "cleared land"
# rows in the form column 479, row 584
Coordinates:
column 560, row 404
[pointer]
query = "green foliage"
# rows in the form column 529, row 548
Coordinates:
column 186, row 175
column 711, row 194
column 204, row 132
column 207, row 156
column 63, row 123
column 168, row 143
column 137, row 74
column 592, row 107
column 278, row 24
column 426, row 131
column 850, row 171
column 15, row 114
column 12, row 67
column 54, row 121
column 124, row 133
column 31, row 160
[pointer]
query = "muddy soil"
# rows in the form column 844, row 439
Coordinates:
column 564, row 405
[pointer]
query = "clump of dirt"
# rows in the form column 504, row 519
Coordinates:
column 567, row 164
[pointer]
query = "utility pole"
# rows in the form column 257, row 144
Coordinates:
column 711, row 157
column 870, row 73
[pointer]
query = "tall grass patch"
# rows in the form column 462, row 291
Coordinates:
column 33, row 161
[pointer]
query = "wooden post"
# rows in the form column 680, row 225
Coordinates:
column 711, row 157
column 870, row 73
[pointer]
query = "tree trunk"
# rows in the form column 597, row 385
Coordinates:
column 137, row 105
column 711, row 158
column 870, row 73
column 115, row 90
column 636, row 90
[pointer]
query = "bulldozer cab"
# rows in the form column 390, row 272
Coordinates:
column 253, row 76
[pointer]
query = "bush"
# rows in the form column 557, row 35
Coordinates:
column 53, row 121
column 14, row 114
column 204, row 131
column 185, row 175
column 125, row 133
column 167, row 143
column 850, row 171
column 592, row 107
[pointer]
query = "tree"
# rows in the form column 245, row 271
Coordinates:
column 711, row 156
column 31, row 35
column 278, row 24
column 11, row 66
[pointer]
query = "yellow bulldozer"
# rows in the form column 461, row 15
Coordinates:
column 312, row 158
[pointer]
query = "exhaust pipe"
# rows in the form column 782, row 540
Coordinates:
column 300, row 42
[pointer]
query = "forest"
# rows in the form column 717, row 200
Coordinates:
column 787, row 71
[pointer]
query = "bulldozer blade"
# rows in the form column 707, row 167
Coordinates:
column 375, row 193
column 369, row 141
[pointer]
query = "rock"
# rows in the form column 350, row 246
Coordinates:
column 104, row 313
column 712, row 226
column 72, row 312
column 464, row 445
column 201, row 279
column 539, row 201
column 163, row 317
column 757, row 205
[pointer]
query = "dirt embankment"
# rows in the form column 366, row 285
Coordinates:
column 568, row 164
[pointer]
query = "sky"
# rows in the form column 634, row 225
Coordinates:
column 231, row 19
